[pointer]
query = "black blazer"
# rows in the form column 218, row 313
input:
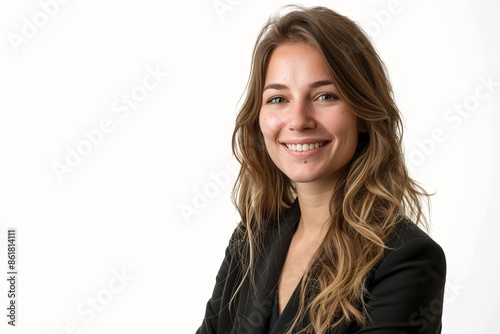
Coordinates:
column 405, row 288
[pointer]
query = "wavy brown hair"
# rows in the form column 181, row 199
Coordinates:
column 375, row 191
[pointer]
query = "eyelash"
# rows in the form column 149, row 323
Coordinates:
column 332, row 96
column 273, row 99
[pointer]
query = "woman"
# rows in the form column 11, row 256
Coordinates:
column 328, row 241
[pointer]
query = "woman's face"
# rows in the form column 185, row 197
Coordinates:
column 308, row 131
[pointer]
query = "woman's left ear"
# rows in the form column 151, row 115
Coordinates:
column 361, row 126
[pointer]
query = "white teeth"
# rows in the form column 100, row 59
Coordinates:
column 304, row 147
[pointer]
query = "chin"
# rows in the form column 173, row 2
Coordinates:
column 304, row 178
column 310, row 175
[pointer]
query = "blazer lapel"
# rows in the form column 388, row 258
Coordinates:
column 287, row 316
column 280, row 248
column 254, row 309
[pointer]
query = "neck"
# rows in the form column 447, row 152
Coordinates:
column 314, row 201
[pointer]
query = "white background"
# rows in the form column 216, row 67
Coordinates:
column 120, row 208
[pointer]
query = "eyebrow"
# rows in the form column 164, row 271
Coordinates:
column 316, row 84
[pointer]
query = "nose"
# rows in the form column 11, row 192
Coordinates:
column 300, row 117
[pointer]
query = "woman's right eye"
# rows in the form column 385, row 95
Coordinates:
column 276, row 99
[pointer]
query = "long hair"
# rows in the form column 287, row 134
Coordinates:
column 374, row 193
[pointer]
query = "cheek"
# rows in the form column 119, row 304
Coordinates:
column 343, row 124
column 270, row 126
column 345, row 131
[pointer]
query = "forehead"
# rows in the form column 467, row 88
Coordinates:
column 297, row 61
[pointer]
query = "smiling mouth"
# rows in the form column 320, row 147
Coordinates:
column 305, row 147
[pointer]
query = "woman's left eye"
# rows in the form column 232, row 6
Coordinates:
column 328, row 97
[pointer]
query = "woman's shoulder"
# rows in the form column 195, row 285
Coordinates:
column 406, row 231
column 412, row 248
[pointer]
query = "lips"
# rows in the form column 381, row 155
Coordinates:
column 305, row 146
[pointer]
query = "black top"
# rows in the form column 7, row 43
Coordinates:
column 273, row 319
column 404, row 290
